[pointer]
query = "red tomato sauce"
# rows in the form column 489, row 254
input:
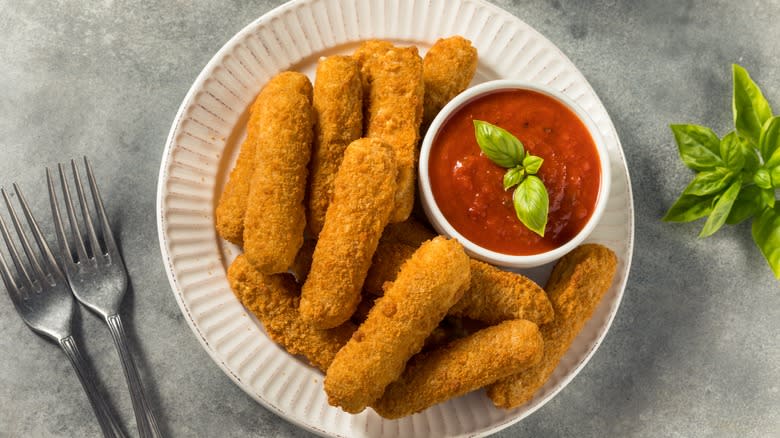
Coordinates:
column 468, row 187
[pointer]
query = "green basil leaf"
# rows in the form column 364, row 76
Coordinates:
column 774, row 175
column 769, row 141
column 766, row 234
column 767, row 198
column 531, row 204
column 731, row 151
column 721, row 209
column 750, row 107
column 699, row 147
column 774, row 159
column 688, row 208
column 513, row 176
column 763, row 179
column 498, row 144
column 709, row 182
column 747, row 204
column 532, row 163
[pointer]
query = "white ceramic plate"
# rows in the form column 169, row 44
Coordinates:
column 202, row 146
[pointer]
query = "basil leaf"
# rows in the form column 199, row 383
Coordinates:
column 763, row 179
column 709, row 182
column 513, row 176
column 766, row 234
column 769, row 141
column 532, row 163
column 699, row 147
column 774, row 175
column 531, row 204
column 750, row 107
column 774, row 159
column 721, row 209
column 767, row 198
column 731, row 151
column 748, row 203
column 498, row 144
column 688, row 208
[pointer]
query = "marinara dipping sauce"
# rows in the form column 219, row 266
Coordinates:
column 468, row 187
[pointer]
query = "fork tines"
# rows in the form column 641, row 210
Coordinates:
column 29, row 276
column 83, row 253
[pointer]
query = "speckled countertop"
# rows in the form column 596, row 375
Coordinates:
column 694, row 350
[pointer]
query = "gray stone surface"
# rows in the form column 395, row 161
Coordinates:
column 694, row 349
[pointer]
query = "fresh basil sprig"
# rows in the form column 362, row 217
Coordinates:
column 530, row 198
column 737, row 176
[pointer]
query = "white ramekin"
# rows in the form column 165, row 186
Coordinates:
column 441, row 224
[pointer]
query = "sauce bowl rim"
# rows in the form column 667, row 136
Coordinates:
column 440, row 222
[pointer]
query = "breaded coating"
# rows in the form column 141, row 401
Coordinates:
column 428, row 285
column 448, row 68
column 275, row 218
column 231, row 209
column 360, row 209
column 338, row 113
column 411, row 232
column 578, row 282
column 438, row 337
column 462, row 366
column 387, row 262
column 493, row 295
column 364, row 307
column 367, row 53
column 302, row 263
column 394, row 103
column 273, row 299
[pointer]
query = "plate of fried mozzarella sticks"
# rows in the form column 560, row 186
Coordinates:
column 295, row 245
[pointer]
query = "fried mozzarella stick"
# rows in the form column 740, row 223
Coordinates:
column 448, row 68
column 273, row 299
column 275, row 218
column 577, row 284
column 231, row 209
column 338, row 112
column 362, row 203
column 462, row 366
column 493, row 295
column 398, row 324
column 394, row 98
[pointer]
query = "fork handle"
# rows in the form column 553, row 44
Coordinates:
column 144, row 416
column 106, row 418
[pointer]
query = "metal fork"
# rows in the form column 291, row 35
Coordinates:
column 98, row 278
column 41, row 295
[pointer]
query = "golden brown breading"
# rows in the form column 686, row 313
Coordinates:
column 429, row 283
column 387, row 262
column 411, row 232
column 360, row 209
column 364, row 307
column 273, row 299
column 231, row 209
column 462, row 366
column 368, row 52
column 338, row 112
column 493, row 295
column 448, row 68
column 578, row 282
column 275, row 218
column 302, row 263
column 394, row 103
